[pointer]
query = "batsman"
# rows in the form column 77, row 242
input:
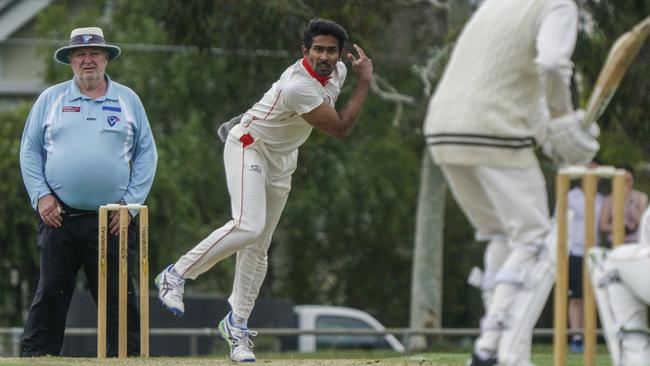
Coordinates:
column 505, row 91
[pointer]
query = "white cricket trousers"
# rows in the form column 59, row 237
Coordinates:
column 508, row 203
column 259, row 182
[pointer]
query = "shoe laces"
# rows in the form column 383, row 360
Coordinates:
column 174, row 283
column 243, row 337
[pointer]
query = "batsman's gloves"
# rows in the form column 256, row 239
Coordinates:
column 224, row 128
column 567, row 143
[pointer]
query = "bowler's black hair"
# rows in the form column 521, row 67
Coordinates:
column 323, row 27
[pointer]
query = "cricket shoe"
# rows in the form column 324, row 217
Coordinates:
column 170, row 290
column 477, row 361
column 576, row 346
column 239, row 340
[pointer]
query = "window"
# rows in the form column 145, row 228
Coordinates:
column 347, row 341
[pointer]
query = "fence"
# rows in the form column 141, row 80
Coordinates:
column 193, row 334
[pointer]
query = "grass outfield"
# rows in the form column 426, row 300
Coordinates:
column 340, row 358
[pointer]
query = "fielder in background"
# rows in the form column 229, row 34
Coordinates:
column 87, row 142
column 635, row 204
column 506, row 89
column 260, row 155
column 620, row 281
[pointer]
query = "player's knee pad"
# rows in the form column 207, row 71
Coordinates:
column 601, row 277
column 635, row 348
column 483, row 281
column 632, row 263
column 515, row 344
column 514, row 347
column 496, row 252
column 622, row 314
column 630, row 296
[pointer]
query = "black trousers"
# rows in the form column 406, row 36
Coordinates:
column 64, row 251
column 575, row 277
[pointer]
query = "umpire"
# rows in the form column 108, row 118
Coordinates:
column 86, row 142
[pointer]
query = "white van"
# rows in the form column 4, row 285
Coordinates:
column 313, row 317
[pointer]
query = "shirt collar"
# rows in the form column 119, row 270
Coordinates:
column 321, row 79
column 74, row 93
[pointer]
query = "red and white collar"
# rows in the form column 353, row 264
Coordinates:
column 321, row 79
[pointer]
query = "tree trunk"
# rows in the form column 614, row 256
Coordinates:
column 426, row 286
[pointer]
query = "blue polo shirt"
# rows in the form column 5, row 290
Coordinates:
column 88, row 152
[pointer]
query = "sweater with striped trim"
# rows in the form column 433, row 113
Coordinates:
column 487, row 107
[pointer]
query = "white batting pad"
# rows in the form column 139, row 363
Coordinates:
column 515, row 344
column 623, row 315
column 496, row 252
column 632, row 262
column 597, row 272
column 514, row 347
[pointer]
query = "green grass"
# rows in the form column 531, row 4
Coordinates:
column 542, row 356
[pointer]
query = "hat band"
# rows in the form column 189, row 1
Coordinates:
column 87, row 39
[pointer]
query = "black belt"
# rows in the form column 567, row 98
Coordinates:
column 73, row 212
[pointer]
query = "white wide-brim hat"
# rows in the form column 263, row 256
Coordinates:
column 86, row 37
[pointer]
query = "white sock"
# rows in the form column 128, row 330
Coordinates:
column 576, row 338
column 174, row 271
column 238, row 321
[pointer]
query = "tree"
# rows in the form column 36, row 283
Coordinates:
column 18, row 252
column 426, row 283
column 193, row 66
column 347, row 233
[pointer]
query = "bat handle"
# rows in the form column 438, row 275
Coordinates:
column 587, row 121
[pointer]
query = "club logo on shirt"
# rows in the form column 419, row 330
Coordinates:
column 256, row 168
column 112, row 120
column 71, row 108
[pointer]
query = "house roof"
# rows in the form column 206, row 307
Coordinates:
column 16, row 13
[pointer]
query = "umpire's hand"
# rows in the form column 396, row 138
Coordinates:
column 114, row 225
column 50, row 210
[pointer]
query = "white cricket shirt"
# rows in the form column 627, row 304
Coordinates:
column 276, row 118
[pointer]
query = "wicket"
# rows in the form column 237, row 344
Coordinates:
column 143, row 259
column 589, row 178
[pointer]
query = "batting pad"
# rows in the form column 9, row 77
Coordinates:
column 496, row 252
column 515, row 344
column 622, row 312
column 516, row 341
column 632, row 263
column 595, row 263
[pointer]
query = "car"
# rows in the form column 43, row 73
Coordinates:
column 269, row 314
column 314, row 317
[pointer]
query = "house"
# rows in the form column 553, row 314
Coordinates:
column 20, row 65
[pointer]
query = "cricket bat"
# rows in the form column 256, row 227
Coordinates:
column 618, row 61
